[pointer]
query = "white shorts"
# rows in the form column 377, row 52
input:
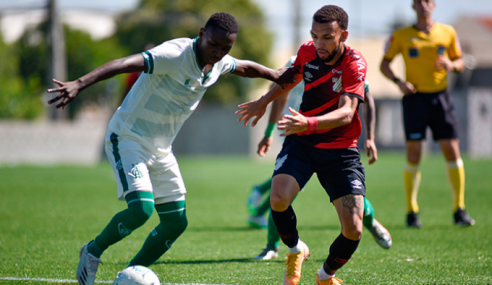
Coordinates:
column 137, row 169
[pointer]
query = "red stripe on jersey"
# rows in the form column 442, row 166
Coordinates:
column 321, row 108
column 320, row 81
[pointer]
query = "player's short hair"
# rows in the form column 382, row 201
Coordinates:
column 223, row 20
column 330, row 13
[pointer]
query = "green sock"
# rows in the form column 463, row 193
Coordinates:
column 273, row 238
column 265, row 207
column 368, row 213
column 265, row 186
column 173, row 223
column 140, row 208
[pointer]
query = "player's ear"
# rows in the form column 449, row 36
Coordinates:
column 201, row 33
column 344, row 36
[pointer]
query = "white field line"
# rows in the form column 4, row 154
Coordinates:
column 75, row 281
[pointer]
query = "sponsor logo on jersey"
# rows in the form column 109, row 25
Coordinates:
column 356, row 184
column 312, row 66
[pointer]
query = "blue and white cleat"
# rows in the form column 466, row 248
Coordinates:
column 88, row 263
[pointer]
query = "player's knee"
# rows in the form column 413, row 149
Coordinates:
column 279, row 203
column 352, row 233
column 175, row 223
column 141, row 211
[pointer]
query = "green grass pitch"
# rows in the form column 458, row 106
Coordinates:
column 47, row 213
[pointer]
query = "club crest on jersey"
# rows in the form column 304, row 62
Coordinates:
column 337, row 84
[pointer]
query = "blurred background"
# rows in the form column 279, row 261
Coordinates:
column 65, row 39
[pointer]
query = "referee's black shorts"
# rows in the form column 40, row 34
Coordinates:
column 435, row 110
column 339, row 171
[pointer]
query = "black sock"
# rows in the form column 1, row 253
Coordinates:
column 286, row 223
column 340, row 252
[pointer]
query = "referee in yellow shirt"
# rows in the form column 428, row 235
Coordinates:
column 429, row 50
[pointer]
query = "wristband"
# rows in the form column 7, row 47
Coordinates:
column 269, row 130
column 395, row 79
column 455, row 67
column 312, row 124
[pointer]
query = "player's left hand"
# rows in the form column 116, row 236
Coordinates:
column 444, row 63
column 371, row 149
column 293, row 124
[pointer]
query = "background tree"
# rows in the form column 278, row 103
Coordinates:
column 156, row 21
column 25, row 69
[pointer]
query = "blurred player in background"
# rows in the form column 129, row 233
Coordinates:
column 322, row 139
column 175, row 75
column 259, row 205
column 430, row 50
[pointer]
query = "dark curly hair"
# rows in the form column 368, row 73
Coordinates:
column 330, row 13
column 223, row 20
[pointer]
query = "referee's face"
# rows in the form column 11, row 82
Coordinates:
column 328, row 38
column 214, row 44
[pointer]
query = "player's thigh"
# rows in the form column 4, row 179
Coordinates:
column 443, row 121
column 294, row 160
column 129, row 162
column 350, row 210
column 166, row 179
column 415, row 116
column 340, row 172
column 284, row 190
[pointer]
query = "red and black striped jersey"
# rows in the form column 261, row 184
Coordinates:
column 324, row 84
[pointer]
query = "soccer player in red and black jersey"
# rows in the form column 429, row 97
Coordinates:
column 322, row 139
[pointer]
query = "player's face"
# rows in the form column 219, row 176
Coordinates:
column 424, row 8
column 328, row 38
column 214, row 44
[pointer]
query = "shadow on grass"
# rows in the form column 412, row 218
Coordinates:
column 247, row 229
column 236, row 260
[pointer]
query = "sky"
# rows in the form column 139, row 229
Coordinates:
column 366, row 17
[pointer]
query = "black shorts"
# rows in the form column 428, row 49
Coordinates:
column 339, row 171
column 435, row 110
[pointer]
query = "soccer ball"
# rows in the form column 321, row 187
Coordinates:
column 136, row 275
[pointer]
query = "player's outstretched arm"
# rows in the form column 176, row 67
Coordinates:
column 257, row 108
column 369, row 109
column 278, row 106
column 69, row 90
column 298, row 123
column 251, row 69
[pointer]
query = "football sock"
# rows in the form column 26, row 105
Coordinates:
column 340, row 252
column 456, row 177
column 322, row 275
column 411, row 178
column 173, row 223
column 273, row 238
column 368, row 213
column 140, row 209
column 265, row 186
column 286, row 223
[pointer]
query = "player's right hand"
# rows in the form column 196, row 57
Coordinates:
column 264, row 146
column 248, row 110
column 68, row 92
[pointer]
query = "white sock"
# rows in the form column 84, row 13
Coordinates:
column 296, row 249
column 322, row 275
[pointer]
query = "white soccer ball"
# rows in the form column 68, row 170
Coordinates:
column 136, row 275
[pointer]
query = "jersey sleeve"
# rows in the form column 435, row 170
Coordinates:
column 163, row 59
column 391, row 48
column 228, row 64
column 354, row 77
column 455, row 48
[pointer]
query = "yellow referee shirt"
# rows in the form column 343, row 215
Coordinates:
column 420, row 52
